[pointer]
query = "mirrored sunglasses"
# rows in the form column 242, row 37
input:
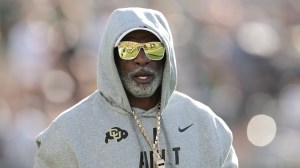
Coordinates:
column 129, row 50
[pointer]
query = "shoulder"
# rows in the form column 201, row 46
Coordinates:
column 196, row 108
column 186, row 108
column 186, row 103
column 79, row 111
column 72, row 117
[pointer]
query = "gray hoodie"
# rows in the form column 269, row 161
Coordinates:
column 100, row 131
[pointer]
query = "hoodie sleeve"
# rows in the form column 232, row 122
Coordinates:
column 231, row 160
column 228, row 156
column 53, row 150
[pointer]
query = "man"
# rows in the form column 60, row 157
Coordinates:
column 136, row 118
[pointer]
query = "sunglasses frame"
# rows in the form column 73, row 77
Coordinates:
column 140, row 45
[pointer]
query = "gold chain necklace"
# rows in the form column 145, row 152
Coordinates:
column 159, row 162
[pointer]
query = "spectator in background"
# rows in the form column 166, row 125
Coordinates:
column 136, row 118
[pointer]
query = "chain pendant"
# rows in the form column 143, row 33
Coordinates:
column 160, row 163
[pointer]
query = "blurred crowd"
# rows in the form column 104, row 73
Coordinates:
column 242, row 58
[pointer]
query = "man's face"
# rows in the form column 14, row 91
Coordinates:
column 141, row 76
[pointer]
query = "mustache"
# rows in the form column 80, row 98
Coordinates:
column 142, row 70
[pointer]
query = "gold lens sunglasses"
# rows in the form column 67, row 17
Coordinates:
column 129, row 50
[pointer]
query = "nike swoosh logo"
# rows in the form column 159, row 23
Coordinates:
column 184, row 129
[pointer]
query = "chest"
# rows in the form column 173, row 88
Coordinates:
column 120, row 143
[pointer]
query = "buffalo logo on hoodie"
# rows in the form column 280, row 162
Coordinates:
column 116, row 133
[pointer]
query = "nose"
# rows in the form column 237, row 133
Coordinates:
column 141, row 59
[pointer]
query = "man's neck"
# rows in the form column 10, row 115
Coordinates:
column 144, row 103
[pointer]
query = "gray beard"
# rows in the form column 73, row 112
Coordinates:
column 141, row 90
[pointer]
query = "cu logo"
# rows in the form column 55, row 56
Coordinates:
column 116, row 133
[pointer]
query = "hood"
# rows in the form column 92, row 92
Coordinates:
column 121, row 21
